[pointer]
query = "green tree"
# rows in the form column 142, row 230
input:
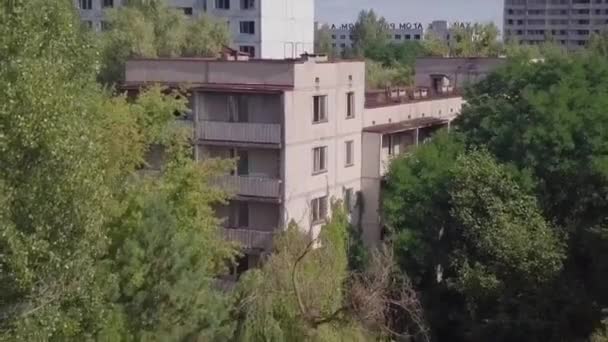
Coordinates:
column 166, row 250
column 152, row 29
column 547, row 118
column 370, row 32
column 477, row 40
column 598, row 43
column 435, row 45
column 378, row 76
column 323, row 41
column 298, row 287
column 52, row 184
column 472, row 241
column 306, row 292
column 88, row 249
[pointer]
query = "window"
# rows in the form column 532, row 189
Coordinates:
column 387, row 143
column 222, row 4
column 349, row 156
column 333, row 36
column 320, row 109
column 408, row 37
column 350, row 105
column 416, row 37
column 242, row 165
column 343, row 36
column 318, row 210
column 348, row 200
column 239, row 216
column 187, row 10
column 247, row 4
column 397, row 37
column 243, row 215
column 248, row 27
column 105, row 26
column 85, row 4
column 248, row 49
column 108, row 3
column 319, row 160
column 88, row 24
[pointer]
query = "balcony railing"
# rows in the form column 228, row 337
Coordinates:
column 251, row 186
column 249, row 239
column 259, row 133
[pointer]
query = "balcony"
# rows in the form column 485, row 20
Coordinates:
column 240, row 132
column 250, row 239
column 251, row 186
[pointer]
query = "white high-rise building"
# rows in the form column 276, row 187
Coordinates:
column 269, row 29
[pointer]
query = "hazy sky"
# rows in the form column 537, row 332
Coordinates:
column 425, row 11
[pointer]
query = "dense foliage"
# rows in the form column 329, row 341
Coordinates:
column 149, row 28
column 502, row 224
column 89, row 248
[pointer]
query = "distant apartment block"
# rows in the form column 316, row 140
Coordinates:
column 271, row 29
column 305, row 132
column 343, row 38
column 440, row 29
column 566, row 22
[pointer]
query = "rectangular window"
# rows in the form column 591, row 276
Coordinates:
column 243, row 215
column 387, row 143
column 248, row 27
column 88, row 24
column 222, row 4
column 85, row 4
column 247, row 4
column 187, row 11
column 319, row 160
column 242, row 167
column 248, row 49
column 348, row 200
column 350, row 105
column 318, row 209
column 320, row 108
column 349, row 156
column 108, row 3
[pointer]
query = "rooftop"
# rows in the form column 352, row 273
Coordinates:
column 397, row 96
column 404, row 126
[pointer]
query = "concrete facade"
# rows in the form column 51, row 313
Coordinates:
column 568, row 22
column 275, row 118
column 269, row 29
column 262, row 113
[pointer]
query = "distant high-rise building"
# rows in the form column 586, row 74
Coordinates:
column 567, row 22
column 440, row 29
column 343, row 37
column 273, row 29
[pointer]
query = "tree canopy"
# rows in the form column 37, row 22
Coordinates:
column 151, row 29
column 502, row 223
column 89, row 249
column 477, row 40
